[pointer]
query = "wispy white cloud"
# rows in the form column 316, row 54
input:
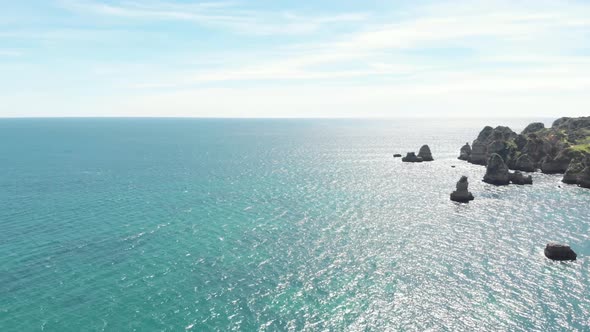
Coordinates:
column 527, row 58
column 502, row 36
column 10, row 53
column 449, row 94
column 520, row 58
column 227, row 15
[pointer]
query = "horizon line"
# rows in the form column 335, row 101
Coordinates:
column 454, row 117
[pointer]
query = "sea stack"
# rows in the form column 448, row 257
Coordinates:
column 412, row 158
column 496, row 172
column 465, row 152
column 560, row 252
column 425, row 153
column 462, row 194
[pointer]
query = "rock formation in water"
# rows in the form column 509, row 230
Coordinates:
column 425, row 153
column 584, row 176
column 462, row 194
column 549, row 149
column 478, row 154
column 574, row 170
column 412, row 158
column 465, row 152
column 525, row 163
column 518, row 178
column 560, row 252
column 560, row 163
column 496, row 171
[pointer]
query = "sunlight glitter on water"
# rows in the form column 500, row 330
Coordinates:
column 313, row 226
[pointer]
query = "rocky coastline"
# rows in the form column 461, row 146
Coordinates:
column 564, row 148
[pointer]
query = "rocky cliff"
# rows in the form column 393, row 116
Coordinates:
column 549, row 149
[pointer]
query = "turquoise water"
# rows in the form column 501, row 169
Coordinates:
column 272, row 225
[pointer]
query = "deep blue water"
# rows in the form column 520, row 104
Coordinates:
column 271, row 225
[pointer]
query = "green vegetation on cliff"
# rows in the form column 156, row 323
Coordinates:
column 584, row 148
column 550, row 149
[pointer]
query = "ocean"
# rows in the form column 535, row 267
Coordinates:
column 277, row 225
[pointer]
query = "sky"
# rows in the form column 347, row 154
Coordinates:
column 270, row 58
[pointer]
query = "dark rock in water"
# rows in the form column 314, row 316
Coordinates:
column 485, row 133
column 560, row 163
column 412, row 158
column 533, row 128
column 549, row 149
column 573, row 171
column 478, row 153
column 425, row 153
column 584, row 177
column 503, row 133
column 462, row 194
column 491, row 140
column 397, row 155
column 518, row 178
column 497, row 172
column 551, row 166
column 560, row 252
column 500, row 133
column 525, row 164
column 536, row 148
column 465, row 152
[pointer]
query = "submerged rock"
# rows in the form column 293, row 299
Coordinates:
column 560, row 252
column 462, row 194
column 425, row 153
column 525, row 163
column 412, row 158
column 497, row 172
column 465, row 152
column 518, row 178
